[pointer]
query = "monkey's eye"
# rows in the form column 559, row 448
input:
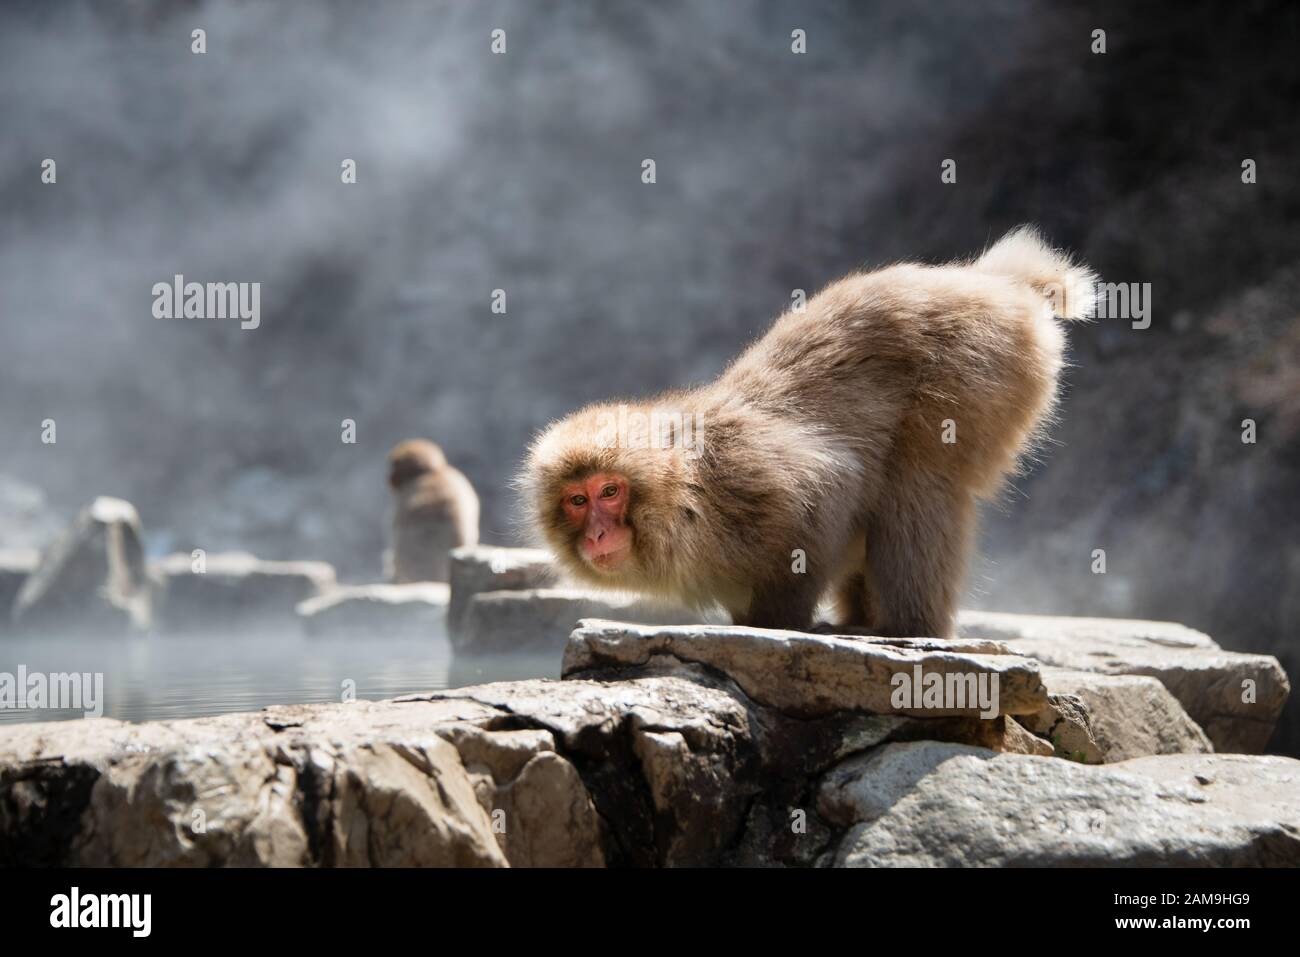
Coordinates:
column 609, row 491
column 577, row 501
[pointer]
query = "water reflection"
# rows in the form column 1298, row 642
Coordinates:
column 154, row 677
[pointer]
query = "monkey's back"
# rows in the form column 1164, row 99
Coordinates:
column 433, row 514
column 944, row 368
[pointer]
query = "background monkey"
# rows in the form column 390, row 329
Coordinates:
column 843, row 452
column 435, row 510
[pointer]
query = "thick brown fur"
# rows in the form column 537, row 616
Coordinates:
column 435, row 510
column 825, row 439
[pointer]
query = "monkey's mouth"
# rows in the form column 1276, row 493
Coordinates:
column 609, row 561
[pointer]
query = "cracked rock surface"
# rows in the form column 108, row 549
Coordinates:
column 665, row 746
column 1130, row 715
column 809, row 674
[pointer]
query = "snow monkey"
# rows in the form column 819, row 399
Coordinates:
column 435, row 510
column 841, row 456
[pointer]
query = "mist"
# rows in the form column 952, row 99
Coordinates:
column 522, row 172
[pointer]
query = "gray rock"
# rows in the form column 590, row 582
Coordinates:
column 15, row 565
column 671, row 767
column 541, row 618
column 483, row 568
column 418, row 608
column 1130, row 715
column 500, row 773
column 403, row 805
column 1017, row 739
column 805, row 674
column 1249, row 785
column 547, row 816
column 670, row 761
column 92, row 579
column 234, row 588
column 366, row 804
column 1236, row 698
column 927, row 804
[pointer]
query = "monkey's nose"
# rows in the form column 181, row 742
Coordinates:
column 595, row 539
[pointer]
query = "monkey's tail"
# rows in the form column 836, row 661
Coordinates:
column 1023, row 255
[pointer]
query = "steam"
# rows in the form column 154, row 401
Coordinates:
column 475, row 172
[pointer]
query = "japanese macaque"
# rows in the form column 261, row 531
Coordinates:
column 435, row 510
column 840, row 457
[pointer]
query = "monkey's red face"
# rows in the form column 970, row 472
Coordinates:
column 596, row 507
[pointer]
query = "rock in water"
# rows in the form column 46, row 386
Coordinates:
column 540, row 619
column 482, row 568
column 234, row 588
column 414, row 609
column 16, row 564
column 92, row 578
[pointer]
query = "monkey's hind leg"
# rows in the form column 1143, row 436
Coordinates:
column 917, row 547
column 853, row 603
column 786, row 605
